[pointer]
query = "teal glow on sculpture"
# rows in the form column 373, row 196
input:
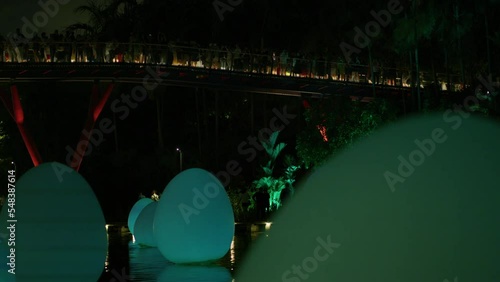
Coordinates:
column 135, row 211
column 60, row 230
column 194, row 220
column 144, row 226
column 418, row 200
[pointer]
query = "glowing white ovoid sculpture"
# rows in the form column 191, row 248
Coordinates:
column 144, row 226
column 135, row 211
column 174, row 272
column 417, row 201
column 60, row 229
column 194, row 220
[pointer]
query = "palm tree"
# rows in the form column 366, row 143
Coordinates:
column 484, row 7
column 98, row 17
column 410, row 31
column 107, row 21
column 451, row 28
column 273, row 185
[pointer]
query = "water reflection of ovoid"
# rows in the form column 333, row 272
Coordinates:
column 146, row 263
column 192, row 273
column 418, row 200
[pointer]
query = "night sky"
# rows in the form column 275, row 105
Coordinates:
column 12, row 13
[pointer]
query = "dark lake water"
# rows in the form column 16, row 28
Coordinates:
column 127, row 261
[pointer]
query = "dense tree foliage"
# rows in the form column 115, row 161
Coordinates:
column 345, row 122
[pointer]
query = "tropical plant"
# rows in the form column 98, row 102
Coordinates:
column 272, row 184
column 236, row 202
column 291, row 169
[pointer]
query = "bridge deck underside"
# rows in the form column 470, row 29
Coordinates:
column 188, row 77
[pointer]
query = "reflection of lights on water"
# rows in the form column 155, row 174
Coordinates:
column 106, row 261
column 268, row 225
column 133, row 239
column 233, row 259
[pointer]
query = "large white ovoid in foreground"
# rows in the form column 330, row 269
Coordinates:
column 60, row 233
column 391, row 209
column 194, row 220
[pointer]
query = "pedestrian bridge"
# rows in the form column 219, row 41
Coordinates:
column 215, row 67
column 152, row 74
column 189, row 68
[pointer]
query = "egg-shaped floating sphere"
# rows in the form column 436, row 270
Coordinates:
column 60, row 233
column 194, row 220
column 144, row 226
column 135, row 211
column 418, row 200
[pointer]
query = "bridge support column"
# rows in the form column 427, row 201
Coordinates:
column 198, row 126
column 97, row 103
column 15, row 109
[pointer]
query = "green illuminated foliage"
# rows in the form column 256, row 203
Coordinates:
column 272, row 184
column 345, row 121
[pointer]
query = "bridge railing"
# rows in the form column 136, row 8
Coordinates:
column 220, row 59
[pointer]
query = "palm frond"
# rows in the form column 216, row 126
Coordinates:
column 277, row 150
column 273, row 138
column 81, row 27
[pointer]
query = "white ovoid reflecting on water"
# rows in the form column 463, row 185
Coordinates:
column 144, row 226
column 194, row 220
column 60, row 230
column 135, row 211
column 174, row 272
column 144, row 263
column 418, row 200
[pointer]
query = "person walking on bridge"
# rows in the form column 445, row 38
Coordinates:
column 341, row 70
column 376, row 71
column 237, row 58
column 283, row 62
